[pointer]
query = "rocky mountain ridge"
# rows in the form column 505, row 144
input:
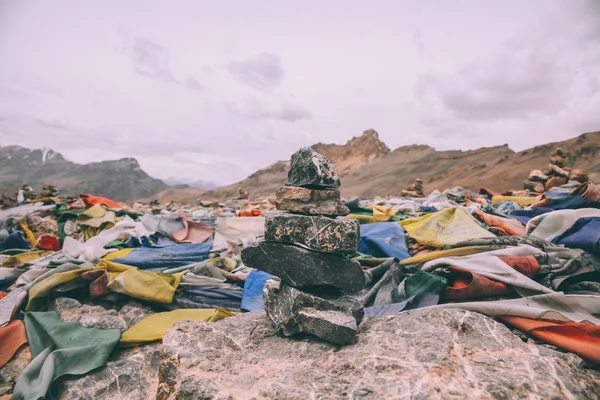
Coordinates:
column 119, row 179
column 368, row 167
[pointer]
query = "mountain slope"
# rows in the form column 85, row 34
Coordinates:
column 368, row 168
column 183, row 194
column 119, row 179
column 199, row 184
column 347, row 158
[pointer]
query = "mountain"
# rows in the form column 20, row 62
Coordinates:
column 119, row 179
column 183, row 194
column 368, row 168
column 199, row 184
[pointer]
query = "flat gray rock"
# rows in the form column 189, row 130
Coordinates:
column 293, row 311
column 97, row 316
column 301, row 268
column 11, row 371
column 324, row 234
column 311, row 169
column 310, row 201
column 130, row 374
column 421, row 354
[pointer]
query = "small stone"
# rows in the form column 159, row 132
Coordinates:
column 293, row 311
column 312, row 170
column 317, row 233
column 300, row 267
column 310, row 201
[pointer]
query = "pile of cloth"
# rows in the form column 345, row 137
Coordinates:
column 181, row 263
column 531, row 262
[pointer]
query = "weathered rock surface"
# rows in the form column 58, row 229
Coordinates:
column 311, row 169
column 131, row 374
column 97, row 316
column 300, row 267
column 421, row 354
column 293, row 311
column 310, row 201
column 11, row 371
column 324, row 234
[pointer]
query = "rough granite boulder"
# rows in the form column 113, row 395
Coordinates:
column 312, row 170
column 130, row 374
column 421, row 354
column 310, row 201
column 11, row 371
column 303, row 268
column 324, row 234
column 293, row 311
column 97, row 316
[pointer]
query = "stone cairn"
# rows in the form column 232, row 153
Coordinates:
column 305, row 246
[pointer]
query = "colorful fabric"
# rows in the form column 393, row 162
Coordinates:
column 146, row 285
column 28, row 234
column 471, row 285
column 555, row 306
column 445, row 228
column 193, row 232
column 456, row 252
column 508, row 226
column 99, row 280
column 48, row 242
column 575, row 337
column 22, row 258
column 167, row 256
column 155, row 326
column 522, row 201
column 384, row 239
column 12, row 337
column 60, row 348
column 583, row 234
column 551, row 225
column 96, row 217
column 252, row 299
column 491, row 266
column 90, row 200
column 40, row 290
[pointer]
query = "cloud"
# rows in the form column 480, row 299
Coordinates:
column 193, row 84
column 263, row 72
column 277, row 108
column 419, row 43
column 534, row 74
column 516, row 83
column 153, row 61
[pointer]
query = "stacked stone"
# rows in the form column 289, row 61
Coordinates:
column 305, row 246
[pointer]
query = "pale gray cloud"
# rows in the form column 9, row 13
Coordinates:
column 278, row 108
column 544, row 72
column 218, row 99
column 153, row 61
column 263, row 71
column 192, row 83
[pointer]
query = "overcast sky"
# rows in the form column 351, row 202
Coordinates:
column 215, row 90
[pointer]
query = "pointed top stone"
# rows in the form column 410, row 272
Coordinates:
column 310, row 169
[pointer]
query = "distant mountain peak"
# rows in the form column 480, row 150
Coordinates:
column 367, row 167
column 199, row 184
column 356, row 152
column 119, row 179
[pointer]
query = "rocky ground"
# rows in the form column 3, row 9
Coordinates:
column 439, row 354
